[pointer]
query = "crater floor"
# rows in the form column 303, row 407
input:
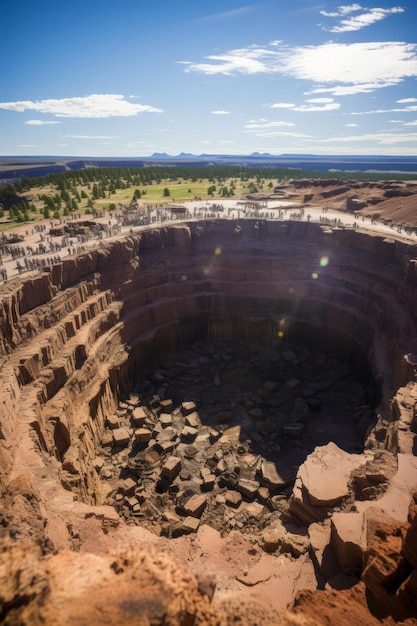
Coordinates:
column 217, row 433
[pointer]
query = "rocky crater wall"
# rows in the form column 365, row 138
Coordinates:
column 73, row 340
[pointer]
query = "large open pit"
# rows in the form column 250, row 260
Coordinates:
column 250, row 379
column 217, row 433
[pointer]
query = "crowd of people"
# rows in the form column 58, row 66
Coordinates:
column 30, row 264
column 58, row 240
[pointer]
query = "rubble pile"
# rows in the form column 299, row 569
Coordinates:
column 217, row 433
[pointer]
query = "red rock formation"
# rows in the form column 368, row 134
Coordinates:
column 73, row 339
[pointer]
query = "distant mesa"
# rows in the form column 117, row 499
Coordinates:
column 182, row 155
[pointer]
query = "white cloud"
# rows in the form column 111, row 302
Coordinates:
column 93, row 106
column 320, row 100
column 381, row 138
column 41, row 123
column 315, row 104
column 282, row 105
column 361, row 67
column 414, row 123
column 351, row 90
column 351, row 125
column 355, row 64
column 252, row 60
column 343, row 10
column 88, row 137
column 310, row 108
column 266, row 124
column 406, row 100
column 278, row 133
column 410, row 109
column 221, row 112
column 357, row 22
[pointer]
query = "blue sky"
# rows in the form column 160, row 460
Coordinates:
column 135, row 77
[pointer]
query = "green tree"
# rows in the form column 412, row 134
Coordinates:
column 166, row 192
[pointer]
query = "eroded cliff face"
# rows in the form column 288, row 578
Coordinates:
column 74, row 340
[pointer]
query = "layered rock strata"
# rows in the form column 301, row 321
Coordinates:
column 74, row 340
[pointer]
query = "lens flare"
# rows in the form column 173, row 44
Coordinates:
column 217, row 250
column 206, row 271
column 314, row 276
column 324, row 261
column 281, row 331
column 183, row 277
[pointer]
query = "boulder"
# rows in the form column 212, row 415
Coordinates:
column 188, row 434
column 195, row 505
column 208, row 479
column 142, row 435
column 295, row 543
column 272, row 538
column 248, row 488
column 121, row 436
column 233, row 498
column 390, row 578
column 193, row 420
column 171, row 467
column 138, row 417
column 190, row 525
column 127, row 487
column 113, row 421
column 188, row 407
column 325, row 474
column 270, row 476
column 348, row 539
column 167, row 406
column 321, row 551
column 165, row 420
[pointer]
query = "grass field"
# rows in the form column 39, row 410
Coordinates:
column 151, row 194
